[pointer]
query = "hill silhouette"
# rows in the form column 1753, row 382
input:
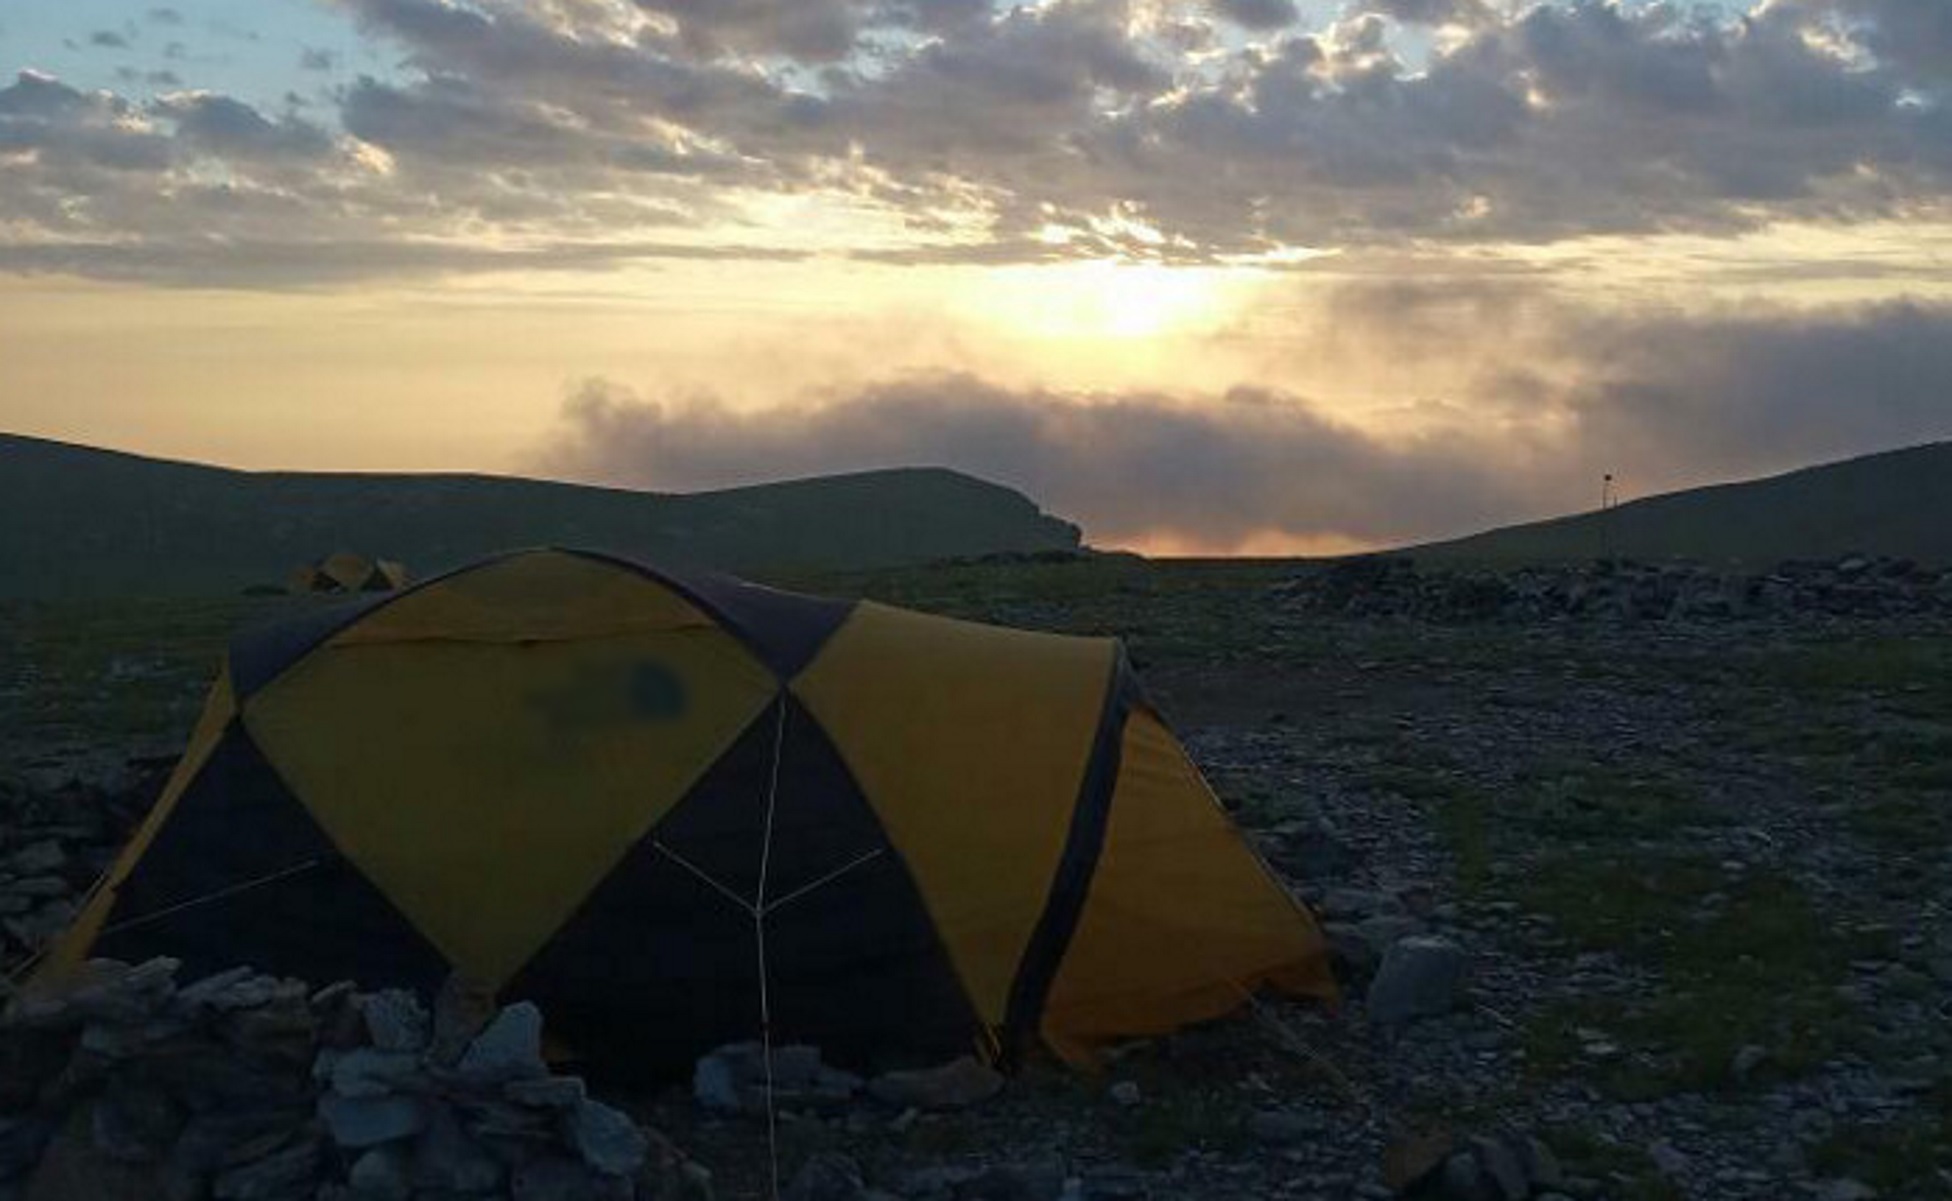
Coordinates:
column 86, row 521
column 1895, row 503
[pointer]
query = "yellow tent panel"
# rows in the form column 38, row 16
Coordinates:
column 1137, row 965
column 667, row 805
column 973, row 740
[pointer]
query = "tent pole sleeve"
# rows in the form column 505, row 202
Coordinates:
column 1072, row 882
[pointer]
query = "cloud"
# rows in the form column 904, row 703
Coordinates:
column 808, row 30
column 604, row 70
column 1128, row 466
column 80, row 141
column 1663, row 400
column 452, row 120
column 1434, row 12
column 1667, row 395
column 109, row 39
column 1258, row 14
column 1554, row 122
column 1003, row 100
column 1757, row 394
column 1559, row 123
column 232, row 130
column 1072, row 127
column 189, row 262
column 1916, row 34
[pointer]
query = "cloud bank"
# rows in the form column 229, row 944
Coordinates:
column 1662, row 400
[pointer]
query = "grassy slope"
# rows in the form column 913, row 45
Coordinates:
column 89, row 522
column 1894, row 503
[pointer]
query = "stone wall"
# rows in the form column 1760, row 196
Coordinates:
column 245, row 1087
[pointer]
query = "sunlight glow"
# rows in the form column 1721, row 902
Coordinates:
column 1104, row 299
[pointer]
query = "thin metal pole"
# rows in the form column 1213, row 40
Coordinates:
column 766, row 1048
column 827, row 879
column 759, row 943
column 220, row 894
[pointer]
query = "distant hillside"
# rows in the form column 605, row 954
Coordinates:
column 1895, row 503
column 82, row 521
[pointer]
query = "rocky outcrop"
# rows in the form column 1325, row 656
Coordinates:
column 243, row 1086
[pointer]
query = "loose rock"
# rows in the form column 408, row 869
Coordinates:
column 827, row 1177
column 1420, row 977
column 953, row 1085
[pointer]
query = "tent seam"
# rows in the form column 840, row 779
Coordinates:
column 1070, row 885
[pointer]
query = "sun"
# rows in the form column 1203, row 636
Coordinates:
column 1108, row 300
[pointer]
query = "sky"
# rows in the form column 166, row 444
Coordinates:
column 1207, row 276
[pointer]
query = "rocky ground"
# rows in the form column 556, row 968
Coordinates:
column 1616, row 590
column 1630, row 905
column 243, row 1087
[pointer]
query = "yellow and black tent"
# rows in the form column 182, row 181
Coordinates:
column 387, row 575
column 308, row 578
column 625, row 793
column 345, row 571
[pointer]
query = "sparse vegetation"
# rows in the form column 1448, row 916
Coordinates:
column 90, row 523
column 1591, row 1155
column 1900, row 1155
column 1699, row 864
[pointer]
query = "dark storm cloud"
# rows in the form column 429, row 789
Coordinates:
column 1663, row 400
column 312, row 58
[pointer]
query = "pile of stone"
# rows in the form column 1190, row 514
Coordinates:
column 832, row 1176
column 61, row 824
column 1508, row 1167
column 37, row 894
column 241, row 1087
column 1855, row 586
column 736, row 1079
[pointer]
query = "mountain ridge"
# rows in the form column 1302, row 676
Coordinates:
column 1892, row 502
column 87, row 520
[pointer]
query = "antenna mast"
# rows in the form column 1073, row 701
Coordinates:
column 1609, row 500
